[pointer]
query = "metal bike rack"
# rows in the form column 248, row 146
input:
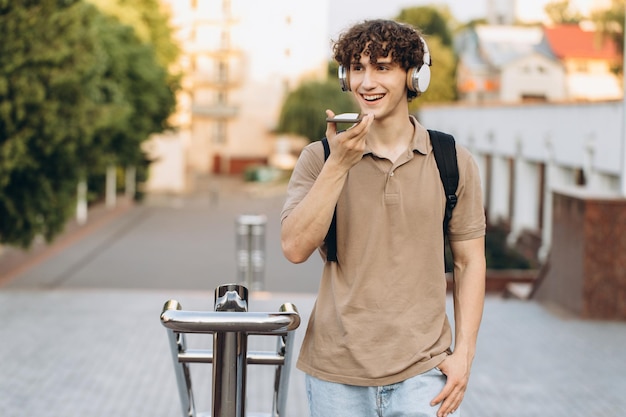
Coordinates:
column 230, row 324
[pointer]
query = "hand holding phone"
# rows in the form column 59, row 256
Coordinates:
column 346, row 118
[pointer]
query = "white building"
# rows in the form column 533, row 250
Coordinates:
column 239, row 59
column 589, row 59
column 510, row 64
column 513, row 64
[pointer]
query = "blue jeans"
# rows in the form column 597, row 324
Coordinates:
column 409, row 398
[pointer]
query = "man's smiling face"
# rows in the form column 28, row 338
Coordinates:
column 379, row 87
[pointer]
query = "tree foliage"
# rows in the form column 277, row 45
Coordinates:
column 303, row 112
column 432, row 22
column 561, row 11
column 50, row 65
column 138, row 88
column 77, row 90
column 150, row 24
column 610, row 22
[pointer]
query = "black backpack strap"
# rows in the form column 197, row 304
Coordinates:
column 445, row 156
column 326, row 149
column 331, row 236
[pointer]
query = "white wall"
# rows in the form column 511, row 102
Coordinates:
column 570, row 129
column 167, row 173
column 559, row 140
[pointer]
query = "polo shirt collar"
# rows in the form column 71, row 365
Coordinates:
column 420, row 142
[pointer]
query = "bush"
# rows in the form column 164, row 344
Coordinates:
column 498, row 254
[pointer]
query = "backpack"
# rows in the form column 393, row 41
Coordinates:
column 445, row 155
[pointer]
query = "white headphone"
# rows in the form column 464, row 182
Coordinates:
column 417, row 79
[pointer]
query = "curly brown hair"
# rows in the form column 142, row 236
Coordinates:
column 377, row 39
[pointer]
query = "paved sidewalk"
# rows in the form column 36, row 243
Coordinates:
column 93, row 353
column 80, row 331
column 16, row 261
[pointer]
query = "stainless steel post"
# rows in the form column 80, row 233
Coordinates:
column 281, row 379
column 178, row 344
column 251, row 250
column 229, row 356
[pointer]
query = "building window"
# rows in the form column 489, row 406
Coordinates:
column 225, row 40
column 534, row 98
column 222, row 71
column 579, row 177
column 219, row 132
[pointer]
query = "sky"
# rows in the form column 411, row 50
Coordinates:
column 343, row 13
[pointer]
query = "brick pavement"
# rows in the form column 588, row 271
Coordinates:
column 100, row 350
column 77, row 352
column 94, row 353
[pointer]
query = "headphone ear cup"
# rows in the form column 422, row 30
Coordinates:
column 411, row 79
column 418, row 79
column 344, row 78
column 423, row 78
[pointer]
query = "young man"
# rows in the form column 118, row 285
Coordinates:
column 378, row 340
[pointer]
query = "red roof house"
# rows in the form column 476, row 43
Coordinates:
column 572, row 41
column 590, row 59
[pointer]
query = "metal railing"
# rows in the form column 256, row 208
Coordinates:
column 230, row 324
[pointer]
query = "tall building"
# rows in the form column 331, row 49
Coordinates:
column 239, row 59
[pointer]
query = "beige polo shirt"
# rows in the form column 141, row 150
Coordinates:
column 380, row 313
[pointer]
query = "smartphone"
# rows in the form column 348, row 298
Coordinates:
column 346, row 118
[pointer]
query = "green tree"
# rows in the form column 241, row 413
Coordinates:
column 561, row 11
column 151, row 23
column 610, row 22
column 51, row 65
column 78, row 90
column 151, row 97
column 137, row 87
column 432, row 22
column 303, row 112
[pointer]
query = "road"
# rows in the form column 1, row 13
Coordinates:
column 183, row 242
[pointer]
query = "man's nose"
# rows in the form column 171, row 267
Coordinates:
column 369, row 78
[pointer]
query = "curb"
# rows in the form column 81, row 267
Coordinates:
column 16, row 261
